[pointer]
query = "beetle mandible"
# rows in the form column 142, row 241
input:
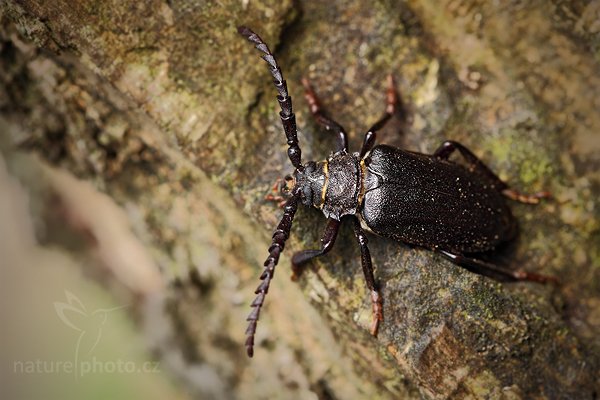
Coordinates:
column 419, row 199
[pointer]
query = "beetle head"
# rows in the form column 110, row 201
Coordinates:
column 309, row 183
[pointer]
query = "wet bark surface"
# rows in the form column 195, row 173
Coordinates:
column 167, row 111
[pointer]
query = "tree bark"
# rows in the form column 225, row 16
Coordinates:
column 165, row 109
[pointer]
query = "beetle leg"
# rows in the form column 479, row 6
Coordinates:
column 367, row 267
column 321, row 118
column 476, row 165
column 391, row 106
column 483, row 268
column 327, row 241
column 275, row 194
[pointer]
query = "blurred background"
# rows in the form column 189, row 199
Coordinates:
column 137, row 143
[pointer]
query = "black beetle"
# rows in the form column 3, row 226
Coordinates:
column 419, row 199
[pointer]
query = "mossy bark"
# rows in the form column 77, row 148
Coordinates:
column 165, row 109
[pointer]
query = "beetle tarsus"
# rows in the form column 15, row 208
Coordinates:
column 377, row 312
column 534, row 277
column 391, row 96
column 526, row 198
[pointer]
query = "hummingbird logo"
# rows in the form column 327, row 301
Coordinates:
column 89, row 324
